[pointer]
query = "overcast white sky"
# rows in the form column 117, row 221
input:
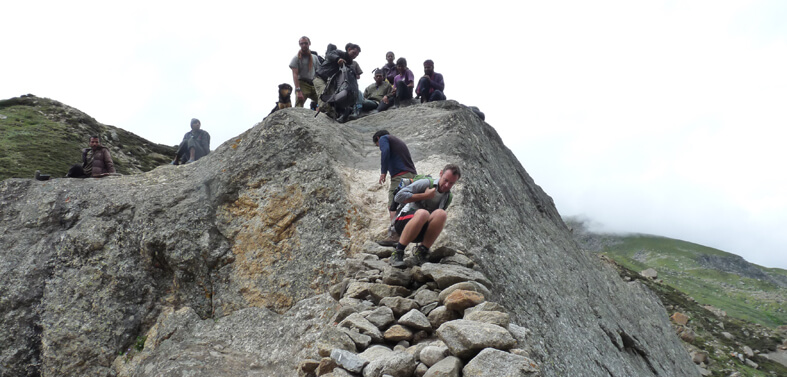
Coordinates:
column 660, row 117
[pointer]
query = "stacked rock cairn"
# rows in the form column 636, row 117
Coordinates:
column 432, row 320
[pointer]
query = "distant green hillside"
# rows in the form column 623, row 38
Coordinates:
column 710, row 276
column 720, row 337
column 43, row 134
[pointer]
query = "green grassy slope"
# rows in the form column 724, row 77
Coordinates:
column 710, row 276
column 718, row 336
column 42, row 134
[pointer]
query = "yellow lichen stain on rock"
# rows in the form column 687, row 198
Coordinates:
column 263, row 247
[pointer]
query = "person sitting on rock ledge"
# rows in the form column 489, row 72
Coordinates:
column 96, row 161
column 377, row 93
column 195, row 144
column 423, row 216
column 431, row 85
column 402, row 87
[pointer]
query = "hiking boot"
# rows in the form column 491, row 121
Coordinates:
column 421, row 254
column 390, row 241
column 397, row 259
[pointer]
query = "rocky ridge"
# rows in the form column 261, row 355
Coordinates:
column 223, row 267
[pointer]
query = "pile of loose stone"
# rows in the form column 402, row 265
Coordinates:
column 431, row 320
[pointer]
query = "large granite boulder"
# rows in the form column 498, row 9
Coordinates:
column 251, row 237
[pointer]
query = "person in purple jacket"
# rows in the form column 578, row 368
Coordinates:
column 403, row 82
column 394, row 160
column 431, row 85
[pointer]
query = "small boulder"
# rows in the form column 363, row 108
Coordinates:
column 680, row 318
column 381, row 317
column 467, row 286
column 397, row 276
column 363, row 326
column 399, row 305
column 396, row 364
column 425, row 297
column 650, row 274
column 397, row 333
column 460, row 299
column 449, row 367
column 430, row 355
column 348, row 360
column 466, row 338
column 334, row 338
column 458, row 260
column 435, row 255
column 326, row 366
column 414, row 319
column 494, row 363
column 495, row 318
column 446, row 275
column 440, row 315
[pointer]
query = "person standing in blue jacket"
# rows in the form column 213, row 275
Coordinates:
column 394, row 160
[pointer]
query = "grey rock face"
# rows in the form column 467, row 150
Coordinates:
column 248, row 236
column 466, row 338
column 493, row 363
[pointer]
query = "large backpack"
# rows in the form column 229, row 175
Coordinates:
column 342, row 90
column 407, row 181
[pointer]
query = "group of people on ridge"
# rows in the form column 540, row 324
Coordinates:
column 394, row 83
column 416, row 204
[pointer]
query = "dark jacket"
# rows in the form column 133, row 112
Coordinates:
column 199, row 140
column 395, row 156
column 102, row 161
column 330, row 66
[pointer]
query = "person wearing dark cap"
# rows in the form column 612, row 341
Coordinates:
column 195, row 144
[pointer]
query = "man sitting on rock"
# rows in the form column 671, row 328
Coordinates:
column 195, row 144
column 431, row 85
column 423, row 216
column 96, row 161
column 377, row 93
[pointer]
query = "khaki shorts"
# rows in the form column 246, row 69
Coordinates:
column 308, row 93
column 394, row 184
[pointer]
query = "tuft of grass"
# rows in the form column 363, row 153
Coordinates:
column 139, row 344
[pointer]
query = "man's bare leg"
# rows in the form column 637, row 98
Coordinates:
column 436, row 223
